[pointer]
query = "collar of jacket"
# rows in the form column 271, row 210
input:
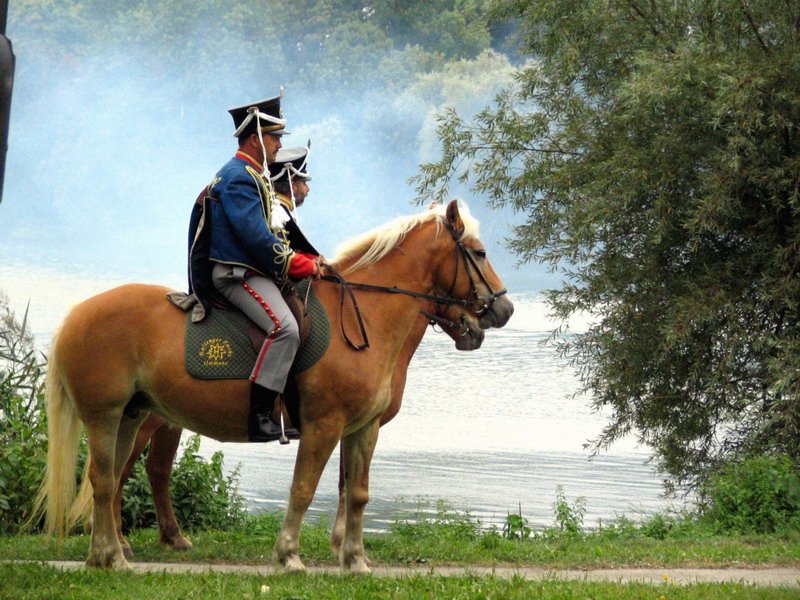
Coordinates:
column 247, row 158
column 285, row 200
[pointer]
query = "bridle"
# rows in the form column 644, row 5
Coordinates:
column 479, row 304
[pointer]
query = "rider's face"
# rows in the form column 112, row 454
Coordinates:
column 272, row 143
column 301, row 190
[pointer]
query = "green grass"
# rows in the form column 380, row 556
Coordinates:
column 455, row 540
column 29, row 582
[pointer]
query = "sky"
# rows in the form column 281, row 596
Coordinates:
column 103, row 168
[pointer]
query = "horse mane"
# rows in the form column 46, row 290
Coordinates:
column 370, row 247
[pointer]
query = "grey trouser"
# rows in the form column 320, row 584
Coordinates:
column 260, row 299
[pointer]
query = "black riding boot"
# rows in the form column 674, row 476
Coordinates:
column 260, row 426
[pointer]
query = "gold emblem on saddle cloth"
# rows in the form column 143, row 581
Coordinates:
column 216, row 352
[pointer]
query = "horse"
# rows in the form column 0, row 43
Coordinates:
column 164, row 439
column 119, row 355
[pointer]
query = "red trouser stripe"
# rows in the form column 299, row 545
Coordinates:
column 261, row 356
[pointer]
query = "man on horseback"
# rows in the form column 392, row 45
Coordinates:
column 249, row 256
column 290, row 177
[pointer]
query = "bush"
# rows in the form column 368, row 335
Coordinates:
column 445, row 522
column 569, row 518
column 23, row 428
column 758, row 495
column 202, row 496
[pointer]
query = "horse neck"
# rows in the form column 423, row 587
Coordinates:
column 409, row 266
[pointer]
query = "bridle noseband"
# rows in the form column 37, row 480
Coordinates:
column 479, row 304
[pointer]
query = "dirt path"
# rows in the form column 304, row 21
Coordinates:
column 771, row 577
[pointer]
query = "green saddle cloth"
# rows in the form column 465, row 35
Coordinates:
column 219, row 346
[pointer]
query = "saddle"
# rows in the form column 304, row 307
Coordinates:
column 225, row 344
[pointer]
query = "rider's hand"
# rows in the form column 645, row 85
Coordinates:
column 318, row 263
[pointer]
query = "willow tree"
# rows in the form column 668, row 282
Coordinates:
column 653, row 148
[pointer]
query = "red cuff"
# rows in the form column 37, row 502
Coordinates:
column 301, row 267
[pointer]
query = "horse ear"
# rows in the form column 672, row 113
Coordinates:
column 454, row 218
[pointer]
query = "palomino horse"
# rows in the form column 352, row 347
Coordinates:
column 164, row 439
column 120, row 354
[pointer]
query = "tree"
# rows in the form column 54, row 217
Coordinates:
column 654, row 150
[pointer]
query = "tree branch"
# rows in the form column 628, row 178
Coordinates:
column 753, row 27
column 653, row 29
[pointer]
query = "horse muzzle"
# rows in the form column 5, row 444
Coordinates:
column 470, row 337
column 497, row 313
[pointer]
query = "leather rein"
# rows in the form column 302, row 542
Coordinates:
column 480, row 304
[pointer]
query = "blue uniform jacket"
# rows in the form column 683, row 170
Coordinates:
column 240, row 216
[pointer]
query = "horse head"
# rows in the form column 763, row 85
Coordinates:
column 468, row 281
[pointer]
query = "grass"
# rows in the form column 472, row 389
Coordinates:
column 28, row 582
column 452, row 539
column 444, row 539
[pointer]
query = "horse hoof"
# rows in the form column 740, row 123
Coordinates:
column 358, row 566
column 292, row 564
column 178, row 543
column 115, row 563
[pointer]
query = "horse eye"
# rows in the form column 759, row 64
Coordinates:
column 481, row 254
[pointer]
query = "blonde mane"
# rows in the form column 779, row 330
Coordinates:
column 372, row 246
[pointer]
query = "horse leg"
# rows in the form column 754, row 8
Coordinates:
column 337, row 532
column 163, row 449
column 316, row 445
column 110, row 444
column 357, row 455
column 151, row 424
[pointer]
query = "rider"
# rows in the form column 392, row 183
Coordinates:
column 249, row 255
column 290, row 177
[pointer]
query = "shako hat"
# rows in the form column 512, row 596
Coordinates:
column 267, row 113
column 291, row 162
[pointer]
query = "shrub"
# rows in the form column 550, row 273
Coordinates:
column 569, row 518
column 516, row 527
column 23, row 428
column 202, row 495
column 758, row 495
column 445, row 522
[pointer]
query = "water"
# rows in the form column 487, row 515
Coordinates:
column 491, row 432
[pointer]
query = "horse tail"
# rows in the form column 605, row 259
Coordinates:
column 63, row 431
column 81, row 511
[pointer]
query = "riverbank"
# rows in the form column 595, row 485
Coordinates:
column 451, row 557
column 455, row 542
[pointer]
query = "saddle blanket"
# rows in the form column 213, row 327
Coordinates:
column 221, row 346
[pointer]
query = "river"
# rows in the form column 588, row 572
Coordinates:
column 490, row 432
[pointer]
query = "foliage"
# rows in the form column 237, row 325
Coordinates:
column 444, row 521
column 688, row 542
column 309, row 44
column 22, row 424
column 760, row 494
column 203, row 497
column 654, row 150
column 516, row 527
column 569, row 517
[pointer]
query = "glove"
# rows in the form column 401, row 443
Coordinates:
column 302, row 266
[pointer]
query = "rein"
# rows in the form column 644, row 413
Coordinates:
column 480, row 304
column 347, row 287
